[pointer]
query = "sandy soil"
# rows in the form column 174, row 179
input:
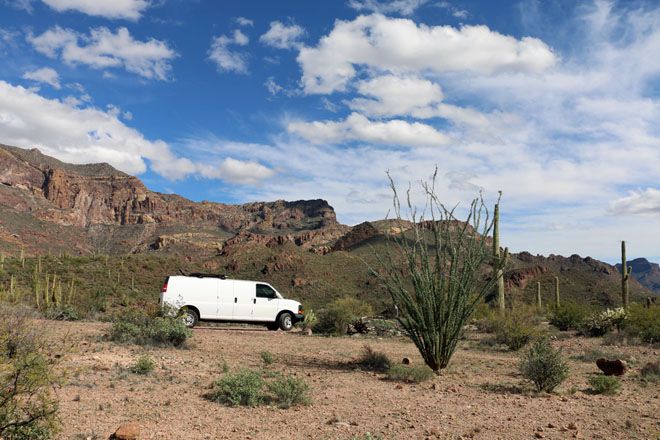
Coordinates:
column 480, row 396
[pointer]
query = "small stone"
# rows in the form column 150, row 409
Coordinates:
column 551, row 425
column 127, row 431
column 399, row 386
column 572, row 426
column 538, row 435
column 405, row 361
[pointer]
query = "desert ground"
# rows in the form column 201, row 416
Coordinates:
column 479, row 396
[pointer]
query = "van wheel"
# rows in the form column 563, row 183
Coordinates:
column 286, row 321
column 272, row 327
column 188, row 317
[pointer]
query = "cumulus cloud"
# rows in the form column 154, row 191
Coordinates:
column 226, row 59
column 397, row 44
column 638, row 202
column 124, row 9
column 403, row 7
column 242, row 21
column 83, row 135
column 103, row 49
column 282, row 36
column 46, row 75
column 357, row 127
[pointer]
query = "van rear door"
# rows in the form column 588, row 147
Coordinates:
column 199, row 292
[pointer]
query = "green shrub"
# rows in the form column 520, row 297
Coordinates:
column 569, row 316
column 267, row 357
column 64, row 312
column 407, row 373
column 144, row 365
column 600, row 323
column 374, row 360
column 644, row 323
column 140, row 328
column 340, row 313
column 602, row 384
column 28, row 406
column 310, row 320
column 514, row 331
column 650, row 372
column 243, row 388
column 543, row 365
column 288, row 391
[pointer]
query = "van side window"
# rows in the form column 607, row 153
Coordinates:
column 264, row 291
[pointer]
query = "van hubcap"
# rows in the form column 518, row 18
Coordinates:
column 287, row 322
column 188, row 319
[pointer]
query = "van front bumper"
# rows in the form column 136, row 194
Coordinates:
column 299, row 317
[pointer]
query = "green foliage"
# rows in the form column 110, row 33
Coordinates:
column 144, row 365
column 601, row 384
column 137, row 327
column 650, row 372
column 434, row 272
column 244, row 388
column 374, row 360
column 65, row 312
column 543, row 365
column 569, row 316
column 310, row 319
column 515, row 333
column 600, row 323
column 27, row 405
column 336, row 317
column 410, row 373
column 288, row 391
column 644, row 323
column 267, row 357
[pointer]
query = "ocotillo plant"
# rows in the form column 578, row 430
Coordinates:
column 625, row 274
column 497, row 256
column 2, row 262
column 22, row 257
column 557, row 292
column 12, row 286
column 538, row 295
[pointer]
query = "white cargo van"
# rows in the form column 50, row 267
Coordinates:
column 216, row 298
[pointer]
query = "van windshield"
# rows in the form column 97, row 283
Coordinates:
column 264, row 291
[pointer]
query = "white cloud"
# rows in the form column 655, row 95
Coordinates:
column 453, row 10
column 25, row 5
column 638, row 202
column 103, row 49
column 395, row 44
column 124, row 9
column 82, row 135
column 242, row 21
column 357, row 127
column 226, row 59
column 403, row 7
column 272, row 86
column 45, row 75
column 283, row 36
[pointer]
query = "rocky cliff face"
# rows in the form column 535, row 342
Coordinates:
column 85, row 196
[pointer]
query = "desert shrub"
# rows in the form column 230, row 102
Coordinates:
column 65, row 312
column 410, row 373
column 601, row 384
column 144, row 365
column 336, row 317
column 644, row 323
column 374, row 360
column 543, row 365
column 267, row 357
column 310, row 320
column 600, row 323
column 27, row 404
column 514, row 330
column 569, row 316
column 650, row 372
column 245, row 388
column 140, row 328
column 288, row 391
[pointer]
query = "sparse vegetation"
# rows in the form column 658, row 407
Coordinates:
column 569, row 316
column 288, row 390
column 601, row 384
column 28, row 406
column 515, row 330
column 341, row 312
column 650, row 372
column 600, row 323
column 434, row 272
column 244, row 388
column 267, row 357
column 543, row 365
column 644, row 323
column 374, row 360
column 410, row 373
column 144, row 365
column 138, row 327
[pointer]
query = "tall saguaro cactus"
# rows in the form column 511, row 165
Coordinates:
column 625, row 274
column 497, row 256
column 538, row 295
column 557, row 292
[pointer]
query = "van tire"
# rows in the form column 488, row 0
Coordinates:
column 189, row 317
column 285, row 321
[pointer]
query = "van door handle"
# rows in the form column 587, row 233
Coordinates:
column 235, row 300
column 254, row 301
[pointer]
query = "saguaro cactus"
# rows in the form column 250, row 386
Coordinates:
column 625, row 274
column 497, row 256
column 538, row 295
column 557, row 292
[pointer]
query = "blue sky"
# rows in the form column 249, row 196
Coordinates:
column 556, row 103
